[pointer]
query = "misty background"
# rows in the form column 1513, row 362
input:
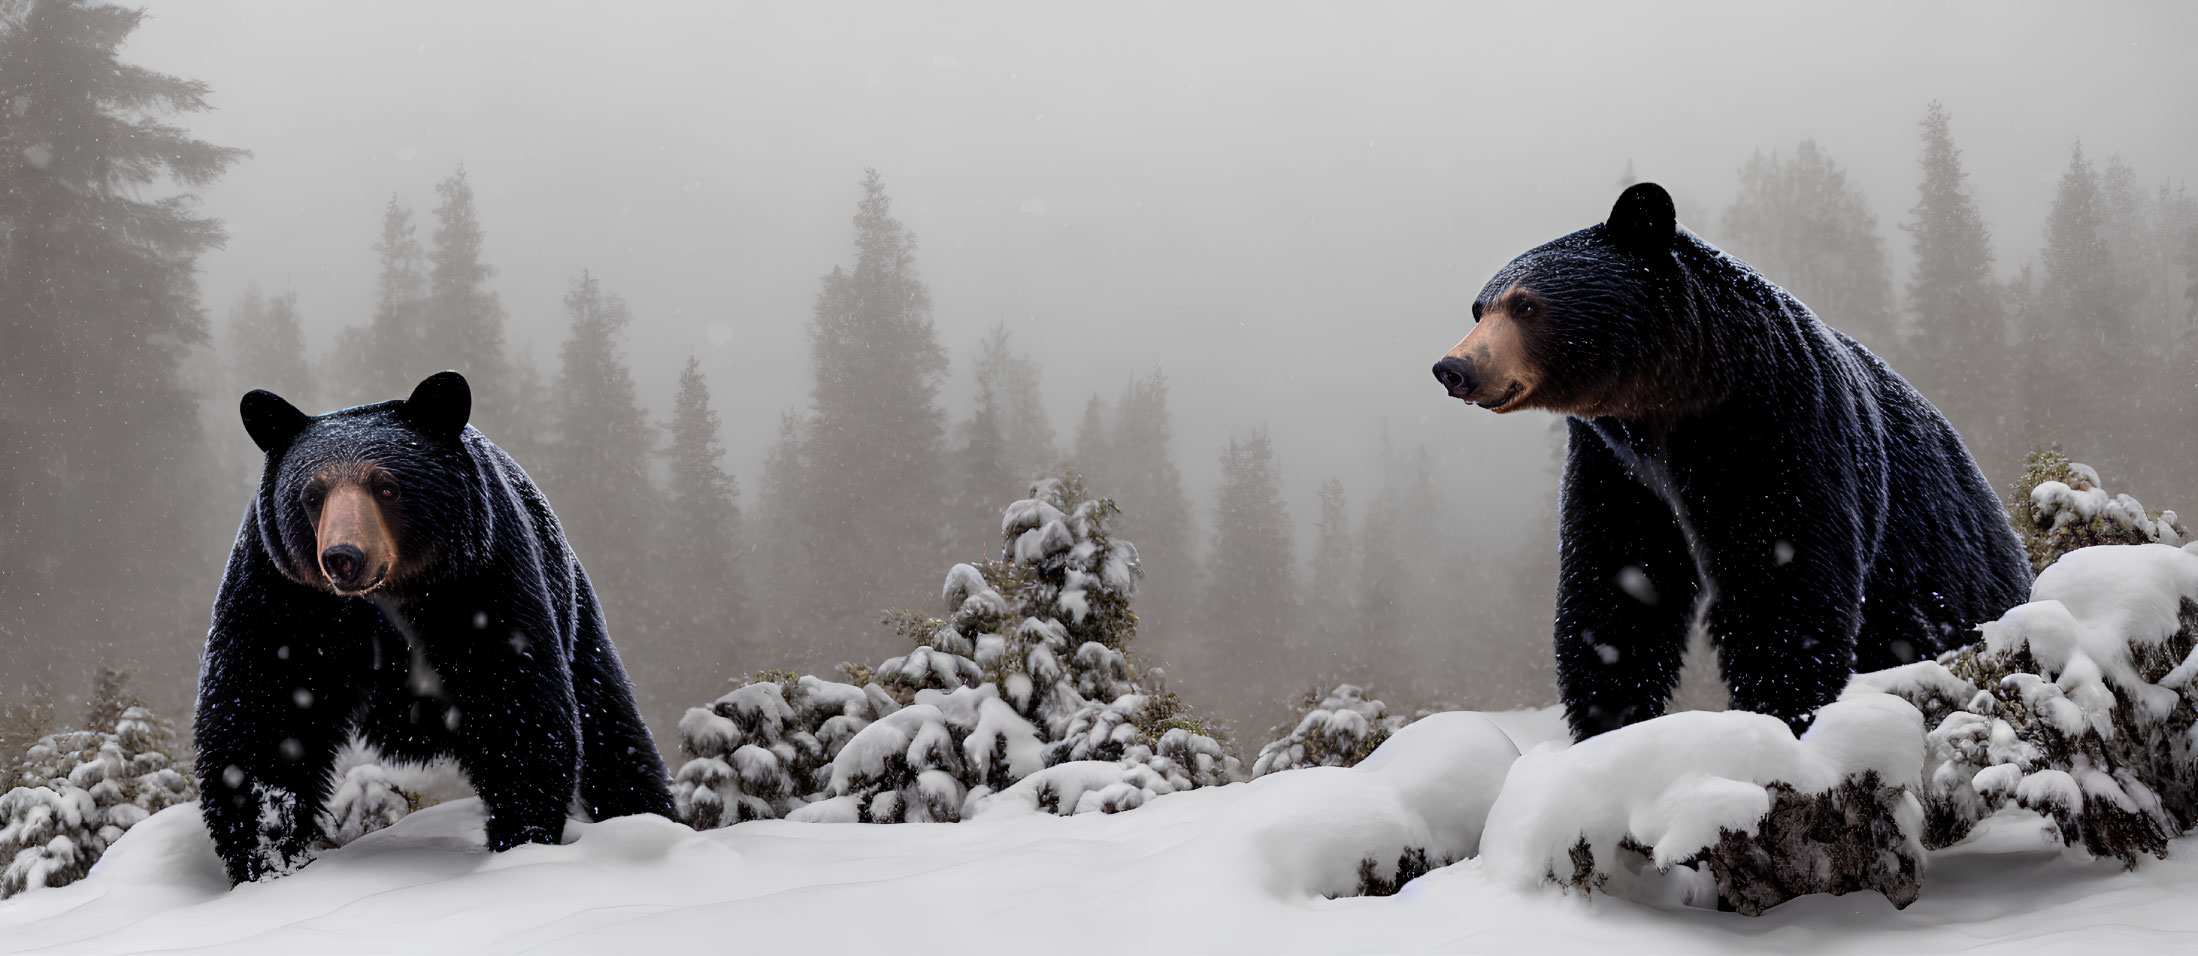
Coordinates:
column 1247, row 230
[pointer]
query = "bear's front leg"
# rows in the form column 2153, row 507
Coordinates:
column 274, row 704
column 1789, row 591
column 1625, row 592
column 510, row 709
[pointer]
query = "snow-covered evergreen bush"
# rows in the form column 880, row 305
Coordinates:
column 80, row 790
column 368, row 794
column 1721, row 809
column 2079, row 705
column 1337, row 729
column 1028, row 670
column 2059, row 506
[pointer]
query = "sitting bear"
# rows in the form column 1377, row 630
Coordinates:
column 1732, row 461
column 399, row 578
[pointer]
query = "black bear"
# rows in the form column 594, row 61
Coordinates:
column 399, row 577
column 1734, row 461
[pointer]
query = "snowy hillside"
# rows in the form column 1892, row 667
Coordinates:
column 1237, row 868
column 2028, row 788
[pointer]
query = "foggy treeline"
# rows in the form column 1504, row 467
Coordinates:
column 125, row 470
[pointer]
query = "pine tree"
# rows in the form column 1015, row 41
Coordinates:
column 395, row 356
column 1331, row 594
column 262, row 346
column 266, row 347
column 526, row 430
column 1805, row 227
column 597, row 477
column 1140, row 474
column 873, row 447
column 1012, row 380
column 1955, row 307
column 1007, row 441
column 1245, row 660
column 98, row 307
column 785, row 551
column 2023, row 331
column 2084, row 320
column 464, row 320
column 1089, row 456
column 705, row 557
column 1409, row 583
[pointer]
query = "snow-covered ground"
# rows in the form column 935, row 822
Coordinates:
column 1238, row 868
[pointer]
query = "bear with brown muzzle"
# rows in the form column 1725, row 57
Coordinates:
column 1732, row 462
column 399, row 578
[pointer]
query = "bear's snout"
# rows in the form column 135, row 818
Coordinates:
column 357, row 548
column 1457, row 376
column 345, row 566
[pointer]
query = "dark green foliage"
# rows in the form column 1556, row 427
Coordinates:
column 1029, row 669
column 1336, row 728
column 1848, row 840
column 1800, row 221
column 98, row 306
column 1999, row 711
column 2073, row 511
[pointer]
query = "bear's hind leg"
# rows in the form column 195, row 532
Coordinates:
column 621, row 773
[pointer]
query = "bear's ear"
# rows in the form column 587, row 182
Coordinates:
column 440, row 404
column 271, row 421
column 1643, row 220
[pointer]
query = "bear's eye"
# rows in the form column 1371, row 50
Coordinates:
column 313, row 498
column 1525, row 309
column 386, row 492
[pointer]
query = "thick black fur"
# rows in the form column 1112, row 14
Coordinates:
column 1772, row 475
column 492, row 650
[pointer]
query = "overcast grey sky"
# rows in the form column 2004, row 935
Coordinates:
column 1286, row 206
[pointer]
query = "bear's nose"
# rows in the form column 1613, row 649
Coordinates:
column 343, row 564
column 1456, row 375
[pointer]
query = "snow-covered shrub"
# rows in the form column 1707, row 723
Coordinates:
column 1722, row 809
column 21, row 724
column 765, row 749
column 1337, row 729
column 2079, row 705
column 369, row 794
column 2059, row 506
column 80, row 790
column 1028, row 669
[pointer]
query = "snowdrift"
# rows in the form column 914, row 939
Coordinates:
column 1242, row 868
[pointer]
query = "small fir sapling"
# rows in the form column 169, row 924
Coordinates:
column 1029, row 670
column 2059, row 506
column 1338, row 728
